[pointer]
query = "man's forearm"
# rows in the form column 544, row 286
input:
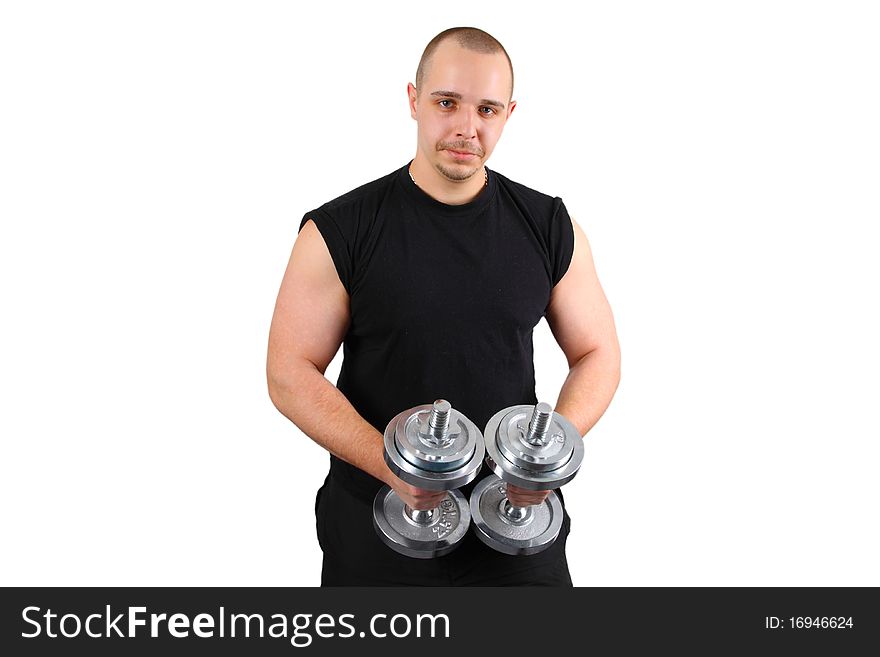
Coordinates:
column 323, row 413
column 589, row 387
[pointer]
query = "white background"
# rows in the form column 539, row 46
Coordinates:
column 156, row 159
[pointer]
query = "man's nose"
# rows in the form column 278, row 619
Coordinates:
column 467, row 125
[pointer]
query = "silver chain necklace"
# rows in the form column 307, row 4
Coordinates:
column 485, row 172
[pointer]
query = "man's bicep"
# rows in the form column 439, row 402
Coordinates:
column 579, row 314
column 312, row 310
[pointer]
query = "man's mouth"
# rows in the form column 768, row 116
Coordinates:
column 463, row 155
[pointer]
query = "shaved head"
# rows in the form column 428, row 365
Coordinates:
column 469, row 38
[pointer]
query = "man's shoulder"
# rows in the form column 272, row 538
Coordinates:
column 346, row 211
column 541, row 202
column 368, row 193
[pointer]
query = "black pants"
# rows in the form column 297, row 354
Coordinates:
column 355, row 556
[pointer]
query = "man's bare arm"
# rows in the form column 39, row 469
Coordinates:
column 310, row 321
column 582, row 323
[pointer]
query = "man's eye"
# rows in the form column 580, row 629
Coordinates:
column 446, row 100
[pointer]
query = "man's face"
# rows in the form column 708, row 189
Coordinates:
column 463, row 105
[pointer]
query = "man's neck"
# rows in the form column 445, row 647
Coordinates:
column 450, row 192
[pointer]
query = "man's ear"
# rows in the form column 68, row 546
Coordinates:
column 512, row 106
column 412, row 96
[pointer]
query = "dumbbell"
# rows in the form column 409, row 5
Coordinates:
column 531, row 447
column 437, row 448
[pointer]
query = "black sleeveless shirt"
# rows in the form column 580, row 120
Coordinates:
column 443, row 298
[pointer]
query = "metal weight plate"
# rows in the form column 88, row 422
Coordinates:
column 435, row 538
column 433, row 465
column 511, row 441
column 527, row 466
column 536, row 533
column 412, row 436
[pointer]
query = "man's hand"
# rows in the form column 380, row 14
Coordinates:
column 521, row 497
column 418, row 499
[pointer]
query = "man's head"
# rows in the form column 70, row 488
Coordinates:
column 462, row 100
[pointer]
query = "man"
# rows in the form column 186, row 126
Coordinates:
column 433, row 278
